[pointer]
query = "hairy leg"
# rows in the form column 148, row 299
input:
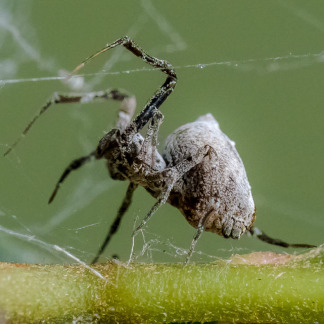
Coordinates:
column 200, row 229
column 77, row 98
column 160, row 95
column 265, row 238
column 115, row 225
column 169, row 177
column 126, row 112
column 149, row 153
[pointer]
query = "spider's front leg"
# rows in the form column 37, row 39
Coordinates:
column 58, row 98
column 160, row 95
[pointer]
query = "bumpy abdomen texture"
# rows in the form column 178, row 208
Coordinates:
column 217, row 186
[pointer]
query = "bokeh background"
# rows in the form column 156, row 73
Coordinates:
column 257, row 66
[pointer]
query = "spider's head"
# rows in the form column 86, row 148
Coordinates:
column 109, row 148
column 119, row 151
column 108, row 143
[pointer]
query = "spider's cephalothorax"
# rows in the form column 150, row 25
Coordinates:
column 199, row 172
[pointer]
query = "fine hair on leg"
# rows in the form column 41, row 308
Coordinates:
column 160, row 95
column 200, row 229
column 267, row 239
column 171, row 176
column 115, row 225
column 58, row 98
column 126, row 111
column 74, row 165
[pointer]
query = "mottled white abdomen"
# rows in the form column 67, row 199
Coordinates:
column 217, row 186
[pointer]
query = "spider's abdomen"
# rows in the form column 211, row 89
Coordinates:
column 217, row 186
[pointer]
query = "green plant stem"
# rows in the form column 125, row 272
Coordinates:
column 288, row 290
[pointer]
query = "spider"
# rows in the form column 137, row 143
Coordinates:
column 199, row 172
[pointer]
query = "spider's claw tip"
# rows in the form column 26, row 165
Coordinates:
column 80, row 66
column 7, row 152
column 94, row 261
column 52, row 195
column 305, row 246
column 68, row 76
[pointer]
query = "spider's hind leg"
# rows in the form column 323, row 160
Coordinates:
column 254, row 231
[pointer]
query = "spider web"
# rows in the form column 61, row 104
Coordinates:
column 38, row 239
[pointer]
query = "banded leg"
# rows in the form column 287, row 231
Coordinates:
column 74, row 165
column 149, row 153
column 172, row 175
column 72, row 98
column 161, row 94
column 200, row 229
column 115, row 225
column 125, row 115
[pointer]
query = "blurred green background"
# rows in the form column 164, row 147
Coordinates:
column 256, row 65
